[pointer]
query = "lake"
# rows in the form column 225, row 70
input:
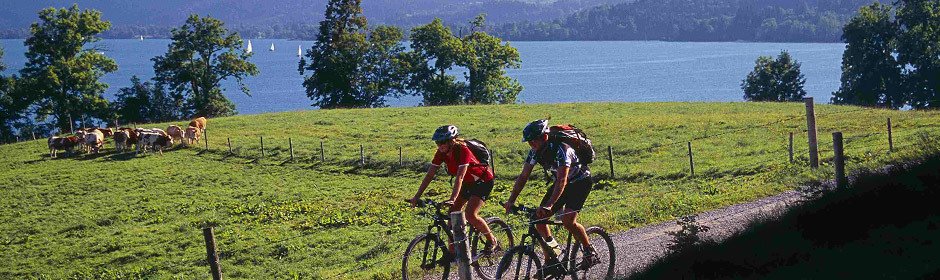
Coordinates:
column 551, row 72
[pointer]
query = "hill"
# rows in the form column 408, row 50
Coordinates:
column 697, row 20
column 111, row 215
column 286, row 18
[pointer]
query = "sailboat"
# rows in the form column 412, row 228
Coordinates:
column 300, row 53
column 248, row 49
column 272, row 47
column 141, row 37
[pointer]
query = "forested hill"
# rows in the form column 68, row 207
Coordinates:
column 285, row 18
column 697, row 20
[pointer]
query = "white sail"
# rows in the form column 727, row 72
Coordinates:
column 248, row 49
column 300, row 53
column 272, row 47
column 141, row 37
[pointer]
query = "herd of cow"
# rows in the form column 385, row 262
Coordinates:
column 92, row 139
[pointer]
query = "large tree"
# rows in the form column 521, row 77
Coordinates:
column 202, row 55
column 919, row 50
column 871, row 76
column 61, row 75
column 349, row 65
column 434, row 51
column 777, row 80
column 12, row 105
column 486, row 59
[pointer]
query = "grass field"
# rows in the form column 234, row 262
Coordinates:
column 119, row 216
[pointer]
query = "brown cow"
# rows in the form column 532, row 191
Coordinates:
column 199, row 123
column 62, row 143
column 175, row 133
column 132, row 136
column 93, row 141
column 120, row 140
column 192, row 135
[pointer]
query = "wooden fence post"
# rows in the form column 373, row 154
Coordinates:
column 322, row 158
column 839, row 159
column 211, row 254
column 400, row 161
column 461, row 245
column 290, row 144
column 34, row 135
column 811, row 132
column 229, row 145
column 493, row 162
column 610, row 160
column 890, row 137
column 262, row 146
column 791, row 147
column 362, row 156
column 205, row 136
column 72, row 124
column 691, row 162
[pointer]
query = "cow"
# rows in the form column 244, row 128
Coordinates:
column 132, row 136
column 62, row 143
column 121, row 138
column 93, row 141
column 152, row 130
column 199, row 123
column 153, row 141
column 192, row 135
column 107, row 132
column 176, row 133
column 81, row 136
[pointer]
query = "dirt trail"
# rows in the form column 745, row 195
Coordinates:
column 637, row 248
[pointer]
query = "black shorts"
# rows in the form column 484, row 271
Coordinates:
column 478, row 189
column 573, row 197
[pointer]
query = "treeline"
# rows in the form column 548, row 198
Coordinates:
column 697, row 20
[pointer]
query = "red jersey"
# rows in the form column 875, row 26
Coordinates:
column 463, row 156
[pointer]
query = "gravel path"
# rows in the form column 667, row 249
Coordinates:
column 639, row 247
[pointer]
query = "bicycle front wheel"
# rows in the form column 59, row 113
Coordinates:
column 605, row 253
column 520, row 262
column 425, row 259
column 485, row 264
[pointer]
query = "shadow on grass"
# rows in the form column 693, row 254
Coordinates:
column 886, row 225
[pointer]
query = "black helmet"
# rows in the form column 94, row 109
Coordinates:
column 534, row 129
column 446, row 132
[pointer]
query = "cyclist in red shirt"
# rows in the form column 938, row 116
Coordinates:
column 473, row 181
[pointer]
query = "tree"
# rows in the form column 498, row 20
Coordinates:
column 435, row 50
column 486, row 59
column 351, row 66
column 774, row 80
column 202, row 55
column 12, row 105
column 871, row 76
column 919, row 50
column 61, row 75
column 146, row 102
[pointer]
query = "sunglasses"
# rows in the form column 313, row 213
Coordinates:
column 441, row 142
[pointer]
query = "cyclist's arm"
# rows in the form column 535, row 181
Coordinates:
column 561, row 180
column 427, row 179
column 520, row 182
column 458, row 181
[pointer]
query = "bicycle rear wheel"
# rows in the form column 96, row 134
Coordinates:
column 605, row 252
column 485, row 265
column 423, row 259
column 520, row 262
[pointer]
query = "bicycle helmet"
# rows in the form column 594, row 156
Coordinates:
column 534, row 129
column 446, row 132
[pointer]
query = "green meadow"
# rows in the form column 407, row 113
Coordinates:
column 111, row 216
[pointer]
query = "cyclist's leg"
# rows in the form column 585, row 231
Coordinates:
column 577, row 194
column 472, row 214
column 570, row 220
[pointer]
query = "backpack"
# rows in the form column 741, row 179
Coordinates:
column 575, row 138
column 480, row 151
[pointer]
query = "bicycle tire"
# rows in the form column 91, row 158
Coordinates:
column 485, row 267
column 430, row 249
column 508, row 269
column 601, row 241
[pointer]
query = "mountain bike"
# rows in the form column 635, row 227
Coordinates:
column 524, row 260
column 429, row 257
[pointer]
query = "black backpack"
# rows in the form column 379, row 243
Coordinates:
column 576, row 139
column 480, row 151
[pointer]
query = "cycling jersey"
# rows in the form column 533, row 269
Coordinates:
column 563, row 155
column 459, row 156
